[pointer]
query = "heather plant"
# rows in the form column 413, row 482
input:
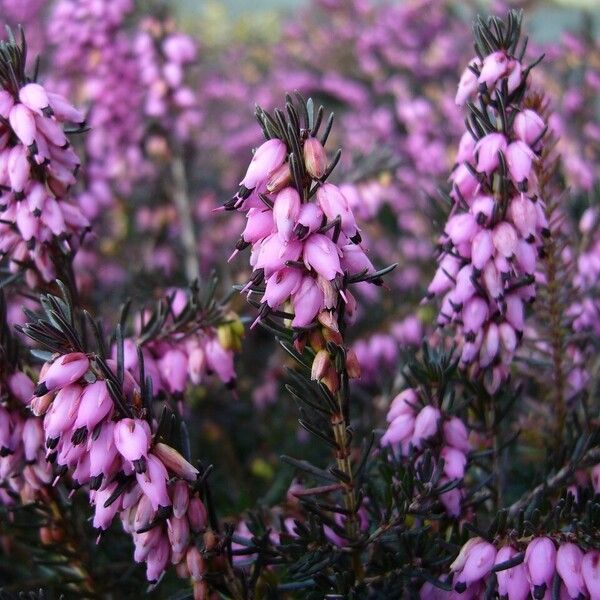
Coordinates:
column 367, row 370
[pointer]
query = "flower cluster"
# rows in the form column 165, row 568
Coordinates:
column 380, row 351
column 535, row 570
column 100, row 432
column 97, row 64
column 23, row 468
column 38, row 168
column 303, row 235
column 186, row 352
column 414, row 426
column 490, row 244
column 163, row 56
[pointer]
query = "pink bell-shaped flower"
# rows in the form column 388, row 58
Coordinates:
column 132, row 439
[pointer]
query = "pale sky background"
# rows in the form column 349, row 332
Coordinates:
column 544, row 23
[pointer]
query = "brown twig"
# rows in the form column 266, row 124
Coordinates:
column 560, row 478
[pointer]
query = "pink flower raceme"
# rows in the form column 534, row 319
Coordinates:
column 190, row 353
column 301, row 248
column 163, row 57
column 88, row 436
column 414, row 426
column 37, row 168
column 489, row 248
column 23, row 468
column 380, row 351
column 534, row 576
column 96, row 58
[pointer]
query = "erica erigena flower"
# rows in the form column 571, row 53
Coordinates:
column 37, row 168
column 522, row 570
column 414, row 426
column 491, row 241
column 87, row 435
column 304, row 239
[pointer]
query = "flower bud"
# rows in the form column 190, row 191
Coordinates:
column 197, row 515
column 404, row 403
column 286, row 210
column 487, row 149
column 478, row 562
column 590, row 569
column 467, row 84
column 21, row 386
column 267, row 158
column 426, row 425
column 454, row 462
column 181, row 498
column 132, row 439
column 352, row 364
column 519, row 157
column 157, row 560
column 66, row 369
column 321, row 254
column 528, row 126
column 315, row 158
column 40, row 404
column 195, row 563
column 320, row 365
column 175, row 462
column 399, row 432
column 331, row 380
column 174, row 370
column 540, row 562
column 281, row 178
column 22, row 122
column 456, row 434
column 154, row 482
column 568, row 564
column 512, row 583
column 493, row 68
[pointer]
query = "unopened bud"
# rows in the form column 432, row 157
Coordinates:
column 316, row 340
column 175, row 462
column 300, row 343
column 40, row 405
column 57, row 532
column 210, row 539
column 197, row 515
column 182, row 570
column 320, row 366
column 280, row 179
column 332, row 380
column 46, row 536
column 333, row 336
column 327, row 319
column 201, row 590
column 352, row 364
column 195, row 563
column 315, row 158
